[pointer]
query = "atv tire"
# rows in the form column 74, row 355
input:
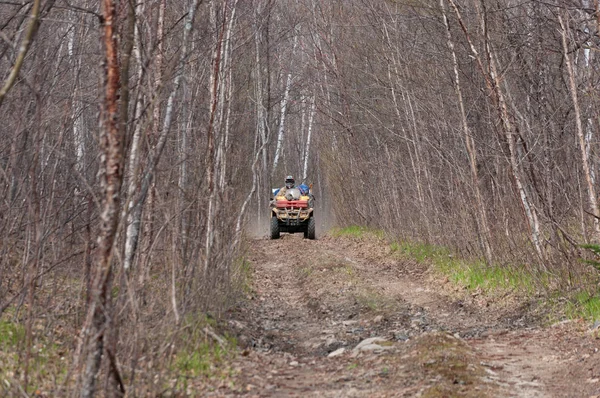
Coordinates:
column 275, row 233
column 310, row 229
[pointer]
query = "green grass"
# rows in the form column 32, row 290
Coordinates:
column 201, row 361
column 472, row 274
column 244, row 273
column 47, row 366
column 584, row 305
column 11, row 334
column 355, row 231
column 421, row 252
column 199, row 355
column 369, row 301
column 476, row 275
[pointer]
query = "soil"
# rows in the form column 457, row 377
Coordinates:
column 313, row 302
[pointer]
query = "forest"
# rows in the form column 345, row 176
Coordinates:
column 140, row 141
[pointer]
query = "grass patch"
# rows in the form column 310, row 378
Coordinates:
column 421, row 252
column 244, row 273
column 305, row 272
column 369, row 301
column 47, row 365
column 202, row 361
column 374, row 301
column 11, row 334
column 200, row 354
column 336, row 266
column 584, row 305
column 476, row 275
column 472, row 274
column 451, row 363
column 355, row 231
column 479, row 276
column 346, row 270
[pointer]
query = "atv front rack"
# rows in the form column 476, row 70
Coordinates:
column 292, row 204
column 292, row 212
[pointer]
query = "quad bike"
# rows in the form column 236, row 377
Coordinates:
column 292, row 212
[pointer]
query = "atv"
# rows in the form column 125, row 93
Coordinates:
column 292, row 212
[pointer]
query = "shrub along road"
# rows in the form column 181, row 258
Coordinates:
column 345, row 317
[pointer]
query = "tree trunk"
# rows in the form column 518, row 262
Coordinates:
column 111, row 140
column 484, row 230
column 23, row 48
column 493, row 84
column 133, row 227
column 261, row 115
column 215, row 109
column 585, row 160
column 311, row 117
column 284, row 103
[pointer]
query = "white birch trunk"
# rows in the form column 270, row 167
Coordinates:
column 471, row 150
column 311, row 117
column 134, row 160
column 510, row 138
column 77, row 108
column 493, row 83
column 213, row 128
column 284, row 103
column 261, row 122
column 216, row 112
column 226, row 101
column 148, row 223
column 133, row 226
column 591, row 191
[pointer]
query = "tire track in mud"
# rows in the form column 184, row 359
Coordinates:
column 315, row 298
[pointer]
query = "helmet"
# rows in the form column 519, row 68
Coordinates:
column 289, row 182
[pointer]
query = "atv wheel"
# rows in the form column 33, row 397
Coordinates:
column 310, row 229
column 274, row 228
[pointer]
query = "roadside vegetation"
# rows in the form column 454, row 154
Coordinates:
column 574, row 295
column 46, row 368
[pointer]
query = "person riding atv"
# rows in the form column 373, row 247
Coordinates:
column 290, row 183
column 292, row 210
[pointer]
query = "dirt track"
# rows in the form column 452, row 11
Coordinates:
column 314, row 298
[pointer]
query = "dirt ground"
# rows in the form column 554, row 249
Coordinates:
column 313, row 302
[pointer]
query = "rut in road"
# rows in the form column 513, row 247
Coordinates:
column 313, row 302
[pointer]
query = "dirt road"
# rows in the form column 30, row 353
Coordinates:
column 314, row 302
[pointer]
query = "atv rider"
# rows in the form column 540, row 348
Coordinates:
column 289, row 184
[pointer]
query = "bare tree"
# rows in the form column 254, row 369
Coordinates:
column 95, row 326
column 585, row 156
column 23, row 48
column 471, row 150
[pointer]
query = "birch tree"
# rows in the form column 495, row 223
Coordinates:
column 585, row 159
column 494, row 85
column 134, row 219
column 284, row 104
column 470, row 145
column 94, row 329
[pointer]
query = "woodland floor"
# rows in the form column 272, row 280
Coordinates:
column 311, row 298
